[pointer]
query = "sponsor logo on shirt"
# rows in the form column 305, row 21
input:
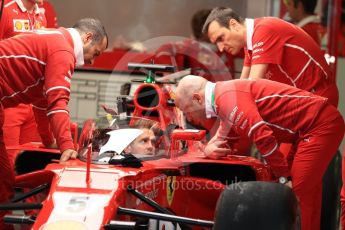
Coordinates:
column 244, row 124
column 257, row 47
column 232, row 114
column 258, row 44
column 236, row 119
column 258, row 50
column 21, row 25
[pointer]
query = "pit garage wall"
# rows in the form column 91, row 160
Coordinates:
column 140, row 20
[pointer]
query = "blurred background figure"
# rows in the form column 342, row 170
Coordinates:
column 48, row 10
column 302, row 13
column 21, row 16
column 198, row 53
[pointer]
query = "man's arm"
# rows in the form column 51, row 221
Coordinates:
column 257, row 71
column 58, row 73
column 245, row 72
column 240, row 115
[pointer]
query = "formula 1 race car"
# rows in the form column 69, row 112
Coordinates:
column 173, row 186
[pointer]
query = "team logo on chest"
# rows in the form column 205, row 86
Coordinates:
column 21, row 25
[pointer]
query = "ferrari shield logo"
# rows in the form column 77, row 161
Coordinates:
column 171, row 185
column 38, row 25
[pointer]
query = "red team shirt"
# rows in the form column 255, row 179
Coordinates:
column 266, row 117
column 16, row 19
column 270, row 113
column 47, row 59
column 293, row 58
column 19, row 124
column 50, row 14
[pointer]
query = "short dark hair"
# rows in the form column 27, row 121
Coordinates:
column 308, row 5
column 198, row 20
column 92, row 25
column 222, row 15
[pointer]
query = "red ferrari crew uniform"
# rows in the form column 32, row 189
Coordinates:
column 270, row 113
column 293, row 57
column 49, row 12
column 16, row 19
column 47, row 60
column 19, row 122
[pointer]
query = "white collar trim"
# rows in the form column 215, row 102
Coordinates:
column 250, row 30
column 309, row 19
column 209, row 89
column 78, row 46
column 23, row 9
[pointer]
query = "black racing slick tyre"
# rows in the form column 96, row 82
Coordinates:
column 257, row 205
column 331, row 186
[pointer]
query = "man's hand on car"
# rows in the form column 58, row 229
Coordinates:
column 217, row 148
column 67, row 155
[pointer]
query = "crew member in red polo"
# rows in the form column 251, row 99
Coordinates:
column 47, row 60
column 274, row 49
column 270, row 113
column 197, row 53
column 301, row 13
column 20, row 16
column 48, row 10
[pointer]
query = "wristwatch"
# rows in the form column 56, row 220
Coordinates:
column 284, row 180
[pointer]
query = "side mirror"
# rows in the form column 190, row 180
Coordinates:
column 188, row 134
column 184, row 135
